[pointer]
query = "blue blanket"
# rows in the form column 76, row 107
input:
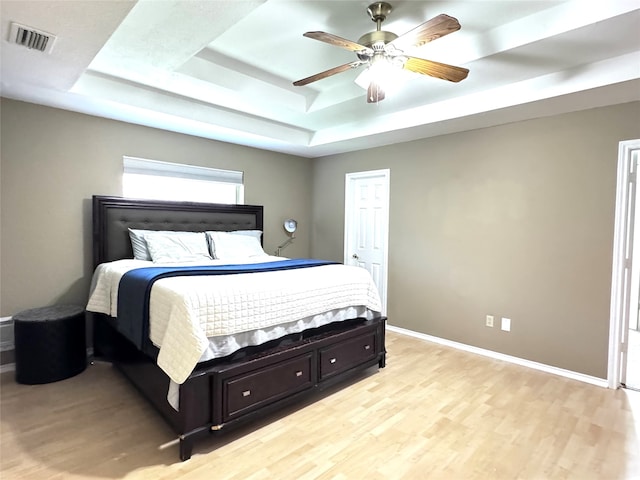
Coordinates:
column 135, row 289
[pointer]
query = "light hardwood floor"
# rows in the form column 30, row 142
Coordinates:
column 434, row 412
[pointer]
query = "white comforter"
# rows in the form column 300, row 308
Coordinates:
column 185, row 311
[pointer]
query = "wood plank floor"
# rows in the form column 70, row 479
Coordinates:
column 434, row 412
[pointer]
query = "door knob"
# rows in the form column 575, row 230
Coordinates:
column 355, row 255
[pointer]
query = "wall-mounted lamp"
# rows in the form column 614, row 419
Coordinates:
column 290, row 225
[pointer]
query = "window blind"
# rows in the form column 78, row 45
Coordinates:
column 142, row 166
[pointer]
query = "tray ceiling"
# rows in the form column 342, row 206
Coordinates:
column 224, row 69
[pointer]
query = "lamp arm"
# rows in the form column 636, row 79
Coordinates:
column 284, row 244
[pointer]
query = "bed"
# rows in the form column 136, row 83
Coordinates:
column 233, row 376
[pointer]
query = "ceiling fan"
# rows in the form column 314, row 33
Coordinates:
column 383, row 51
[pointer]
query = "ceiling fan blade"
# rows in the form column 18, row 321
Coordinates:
column 338, row 41
column 375, row 93
column 328, row 73
column 435, row 69
column 426, row 32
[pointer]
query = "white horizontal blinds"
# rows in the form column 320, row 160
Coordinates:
column 158, row 180
column 142, row 166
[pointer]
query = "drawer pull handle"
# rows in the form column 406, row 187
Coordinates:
column 367, row 347
column 333, row 360
column 246, row 393
column 299, row 373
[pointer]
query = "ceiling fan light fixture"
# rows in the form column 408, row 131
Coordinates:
column 387, row 73
column 363, row 79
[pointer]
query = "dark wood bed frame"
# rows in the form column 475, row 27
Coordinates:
column 222, row 393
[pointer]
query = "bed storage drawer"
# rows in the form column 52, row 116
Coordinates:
column 346, row 354
column 252, row 390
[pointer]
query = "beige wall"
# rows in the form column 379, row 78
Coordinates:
column 53, row 161
column 515, row 220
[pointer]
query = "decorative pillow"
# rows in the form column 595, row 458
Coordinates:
column 177, row 247
column 236, row 244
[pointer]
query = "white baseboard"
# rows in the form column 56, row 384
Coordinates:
column 6, row 341
column 600, row 382
column 8, row 367
column 6, row 334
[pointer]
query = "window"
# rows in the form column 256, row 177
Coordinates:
column 174, row 181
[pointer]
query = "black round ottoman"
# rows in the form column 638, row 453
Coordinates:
column 50, row 343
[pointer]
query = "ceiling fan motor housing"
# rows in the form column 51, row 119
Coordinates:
column 378, row 36
column 376, row 41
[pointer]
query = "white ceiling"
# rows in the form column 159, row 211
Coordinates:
column 224, row 69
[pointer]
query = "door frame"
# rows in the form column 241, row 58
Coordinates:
column 628, row 153
column 349, row 192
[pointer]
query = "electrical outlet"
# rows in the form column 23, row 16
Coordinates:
column 506, row 324
column 489, row 321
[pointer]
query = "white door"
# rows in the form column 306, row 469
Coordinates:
column 367, row 225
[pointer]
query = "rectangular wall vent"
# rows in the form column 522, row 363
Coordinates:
column 31, row 38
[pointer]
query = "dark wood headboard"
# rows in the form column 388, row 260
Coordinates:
column 113, row 216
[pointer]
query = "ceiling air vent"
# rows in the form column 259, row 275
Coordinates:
column 31, row 38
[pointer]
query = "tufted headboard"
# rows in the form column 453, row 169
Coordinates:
column 113, row 216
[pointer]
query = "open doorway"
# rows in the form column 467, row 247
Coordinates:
column 630, row 370
column 624, row 338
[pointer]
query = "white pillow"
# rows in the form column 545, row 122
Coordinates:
column 177, row 246
column 139, row 244
column 251, row 233
column 236, row 244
